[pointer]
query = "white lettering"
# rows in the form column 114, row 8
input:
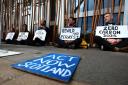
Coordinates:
column 71, row 58
column 65, row 64
column 66, row 73
column 45, row 69
column 61, row 57
column 59, row 71
column 52, row 62
column 27, row 64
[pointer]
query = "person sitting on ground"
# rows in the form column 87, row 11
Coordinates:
column 70, row 43
column 24, row 36
column 11, row 36
column 110, row 44
column 37, row 41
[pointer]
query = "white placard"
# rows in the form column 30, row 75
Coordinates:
column 70, row 33
column 8, row 53
column 41, row 34
column 112, row 31
column 22, row 36
column 10, row 36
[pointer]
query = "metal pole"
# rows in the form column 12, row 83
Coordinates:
column 119, row 12
column 48, row 14
column 85, row 13
column 126, row 13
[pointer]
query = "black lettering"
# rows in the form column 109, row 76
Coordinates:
column 110, row 32
column 61, row 36
column 116, row 27
column 73, row 30
column 63, row 31
column 113, row 28
column 114, row 32
column 100, row 32
column 105, row 28
column 118, row 32
column 109, row 27
column 68, row 30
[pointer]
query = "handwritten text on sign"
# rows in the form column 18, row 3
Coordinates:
column 112, row 31
column 56, row 66
column 22, row 36
column 41, row 34
column 10, row 35
column 70, row 33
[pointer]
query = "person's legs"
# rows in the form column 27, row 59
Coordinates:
column 61, row 43
column 8, row 41
column 77, row 42
column 123, row 45
column 39, row 42
column 102, row 42
column 87, row 38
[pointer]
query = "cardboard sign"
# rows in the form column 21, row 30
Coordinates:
column 70, row 33
column 112, row 31
column 22, row 36
column 41, row 34
column 56, row 66
column 10, row 35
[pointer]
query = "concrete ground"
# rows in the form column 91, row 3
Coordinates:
column 95, row 68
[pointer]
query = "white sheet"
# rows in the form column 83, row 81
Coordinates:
column 7, row 53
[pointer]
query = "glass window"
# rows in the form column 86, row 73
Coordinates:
column 117, row 2
column 90, row 4
column 89, row 24
column 110, row 1
column 116, row 16
column 101, row 21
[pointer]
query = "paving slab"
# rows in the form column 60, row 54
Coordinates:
column 96, row 67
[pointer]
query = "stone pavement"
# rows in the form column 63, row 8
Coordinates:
column 95, row 68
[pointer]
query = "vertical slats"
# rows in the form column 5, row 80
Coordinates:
column 54, row 29
column 15, row 13
column 113, row 6
column 108, row 6
column 119, row 11
column 85, row 13
column 93, row 22
column 72, row 10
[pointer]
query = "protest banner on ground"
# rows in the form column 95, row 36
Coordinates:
column 56, row 66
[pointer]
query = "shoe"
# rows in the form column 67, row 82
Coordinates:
column 71, row 46
column 56, row 45
column 116, row 49
column 124, row 49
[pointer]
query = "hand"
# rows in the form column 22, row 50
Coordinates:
column 113, row 41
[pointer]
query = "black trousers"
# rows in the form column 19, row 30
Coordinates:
column 38, row 42
column 76, row 43
column 107, row 46
column 8, row 41
column 23, row 42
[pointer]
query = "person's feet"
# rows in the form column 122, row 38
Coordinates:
column 116, row 49
column 123, row 49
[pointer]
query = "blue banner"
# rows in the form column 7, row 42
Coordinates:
column 55, row 66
